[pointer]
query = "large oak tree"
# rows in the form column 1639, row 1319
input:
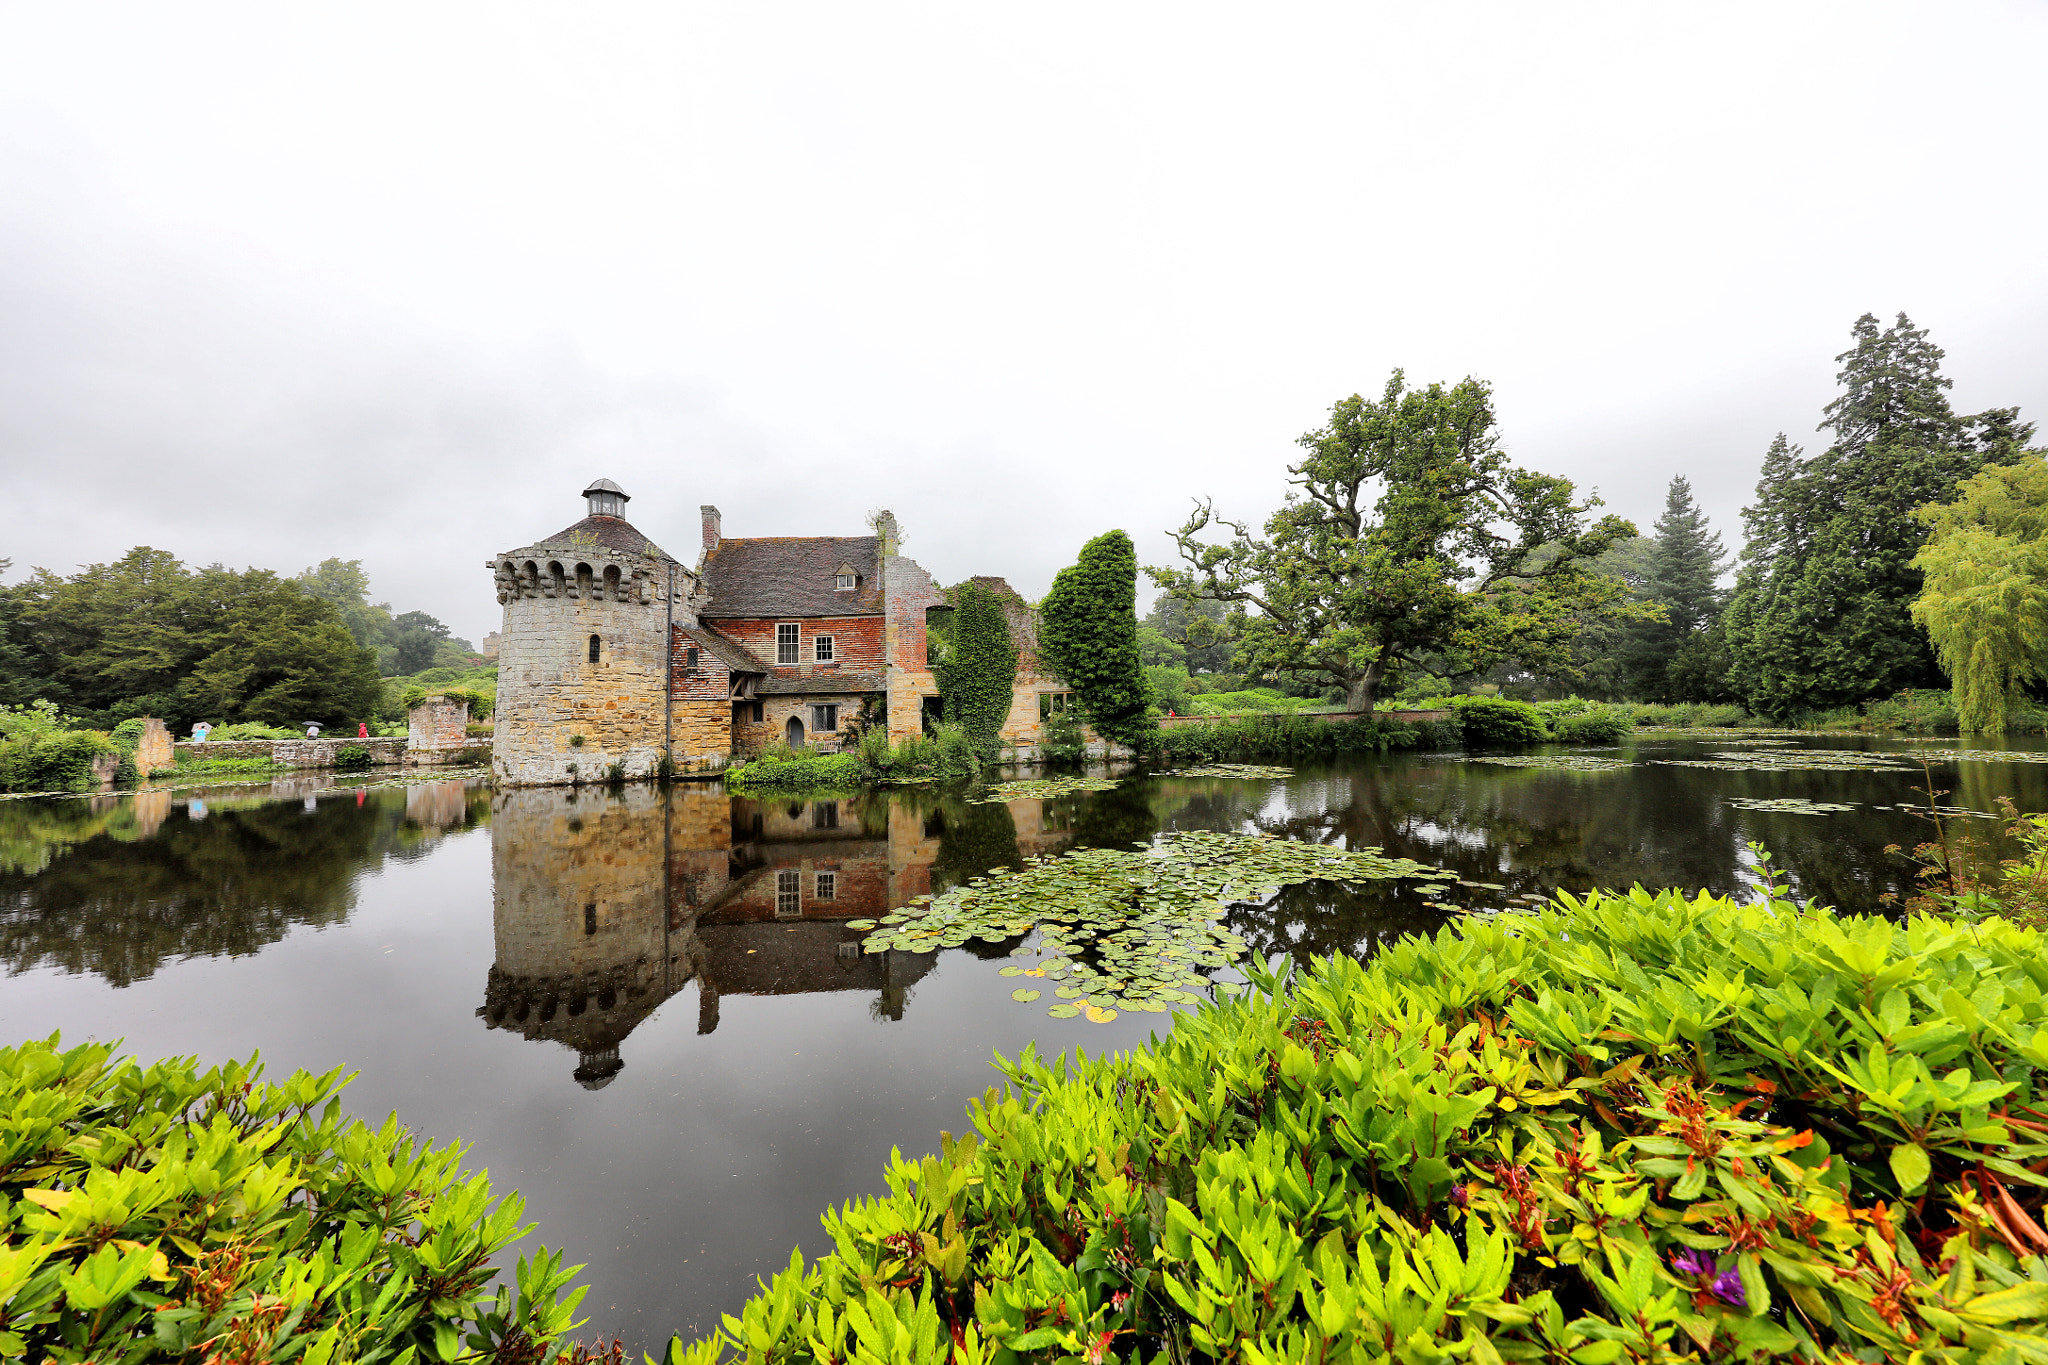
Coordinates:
column 1408, row 540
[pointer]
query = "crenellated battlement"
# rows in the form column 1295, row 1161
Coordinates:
column 584, row 579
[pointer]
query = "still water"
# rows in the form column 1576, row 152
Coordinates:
column 644, row 1010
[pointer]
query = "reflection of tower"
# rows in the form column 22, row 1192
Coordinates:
column 587, row 941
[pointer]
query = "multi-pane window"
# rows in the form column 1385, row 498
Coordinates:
column 789, row 892
column 757, row 712
column 825, row 815
column 824, row 719
column 596, row 645
column 845, row 583
column 822, row 648
column 690, row 658
column 1051, row 704
column 788, row 642
column 828, row 886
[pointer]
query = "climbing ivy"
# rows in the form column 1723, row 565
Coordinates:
column 979, row 672
column 1088, row 628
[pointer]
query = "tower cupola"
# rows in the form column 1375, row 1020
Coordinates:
column 606, row 499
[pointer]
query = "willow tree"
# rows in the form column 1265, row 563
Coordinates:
column 1984, row 596
column 1409, row 541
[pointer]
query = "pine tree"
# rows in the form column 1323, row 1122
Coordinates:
column 1821, row 612
column 1088, row 628
column 1685, row 565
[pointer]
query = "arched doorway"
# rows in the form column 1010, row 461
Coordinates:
column 794, row 732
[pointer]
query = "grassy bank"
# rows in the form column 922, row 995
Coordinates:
column 1644, row 1127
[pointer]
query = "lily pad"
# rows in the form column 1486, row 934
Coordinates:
column 1023, row 995
column 1788, row 805
column 860, row 924
column 1063, row 1011
column 1577, row 763
column 1041, row 787
column 1244, row 770
column 1100, row 1015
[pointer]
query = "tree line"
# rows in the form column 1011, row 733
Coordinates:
column 146, row 635
column 1412, row 553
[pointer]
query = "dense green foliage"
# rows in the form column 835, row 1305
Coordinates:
column 169, row 1213
column 773, row 772
column 1820, row 616
column 1246, row 699
column 1984, row 596
column 42, row 750
column 946, row 752
column 978, row 673
column 1191, row 634
column 1642, row 1127
column 1497, row 720
column 1412, row 544
column 144, row 635
column 1088, row 633
column 1296, row 736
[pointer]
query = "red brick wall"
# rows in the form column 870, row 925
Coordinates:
column 856, row 643
column 863, row 885
column 711, row 680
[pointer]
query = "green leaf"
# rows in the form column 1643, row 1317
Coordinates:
column 1910, row 1166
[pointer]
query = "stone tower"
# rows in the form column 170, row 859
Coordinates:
column 583, row 655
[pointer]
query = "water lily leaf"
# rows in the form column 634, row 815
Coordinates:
column 1063, row 1011
column 860, row 924
column 1024, row 995
column 1100, row 1014
column 1009, row 971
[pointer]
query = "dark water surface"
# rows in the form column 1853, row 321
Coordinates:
column 643, row 1013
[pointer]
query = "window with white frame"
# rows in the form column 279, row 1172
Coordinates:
column 827, row 888
column 845, row 583
column 789, row 893
column 825, row 719
column 821, row 648
column 788, row 642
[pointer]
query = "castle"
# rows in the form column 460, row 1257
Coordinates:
column 614, row 654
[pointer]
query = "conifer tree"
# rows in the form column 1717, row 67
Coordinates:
column 1685, row 565
column 1088, row 628
column 1821, row 611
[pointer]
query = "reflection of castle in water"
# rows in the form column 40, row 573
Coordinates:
column 608, row 902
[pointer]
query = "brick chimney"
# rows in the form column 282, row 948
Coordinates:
column 711, row 526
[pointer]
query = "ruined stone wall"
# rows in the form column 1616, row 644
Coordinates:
column 907, row 593
column 437, row 723
column 857, row 643
column 561, row 718
column 153, row 750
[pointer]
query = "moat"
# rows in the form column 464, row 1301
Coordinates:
column 645, row 1011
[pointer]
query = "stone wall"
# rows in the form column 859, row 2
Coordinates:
column 562, row 718
column 437, row 723
column 295, row 753
column 154, row 749
column 907, row 593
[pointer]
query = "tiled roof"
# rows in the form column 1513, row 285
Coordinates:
column 615, row 534
column 730, row 652
column 791, row 576
column 823, row 684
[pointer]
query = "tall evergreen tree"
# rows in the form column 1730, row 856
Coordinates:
column 1686, row 561
column 1821, row 611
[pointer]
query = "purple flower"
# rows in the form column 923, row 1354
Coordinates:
column 1727, row 1287
column 1459, row 1197
column 1691, row 1262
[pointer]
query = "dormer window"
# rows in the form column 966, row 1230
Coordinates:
column 847, row 579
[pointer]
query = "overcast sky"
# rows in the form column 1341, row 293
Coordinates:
column 393, row 282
